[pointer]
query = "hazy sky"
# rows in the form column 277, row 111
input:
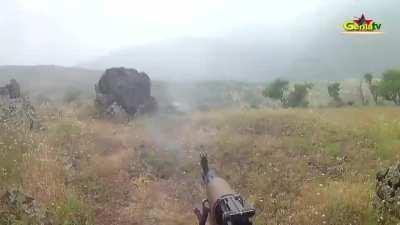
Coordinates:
column 66, row 32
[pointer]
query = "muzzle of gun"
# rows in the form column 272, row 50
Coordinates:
column 223, row 206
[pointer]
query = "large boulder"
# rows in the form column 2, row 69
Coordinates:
column 128, row 88
column 11, row 90
column 15, row 108
column 14, row 89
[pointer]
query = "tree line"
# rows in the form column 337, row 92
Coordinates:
column 386, row 88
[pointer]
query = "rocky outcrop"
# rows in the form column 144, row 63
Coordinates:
column 11, row 90
column 14, row 89
column 128, row 88
column 15, row 108
column 388, row 191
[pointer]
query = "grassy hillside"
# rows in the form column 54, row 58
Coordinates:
column 302, row 166
column 51, row 81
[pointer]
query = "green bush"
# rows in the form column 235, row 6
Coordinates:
column 276, row 90
column 334, row 92
column 389, row 86
column 297, row 97
column 71, row 211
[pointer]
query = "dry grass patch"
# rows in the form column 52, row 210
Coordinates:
column 335, row 203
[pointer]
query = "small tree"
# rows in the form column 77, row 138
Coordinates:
column 368, row 78
column 372, row 86
column 276, row 90
column 389, row 86
column 334, row 92
column 298, row 97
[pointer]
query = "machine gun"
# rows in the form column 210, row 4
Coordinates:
column 223, row 206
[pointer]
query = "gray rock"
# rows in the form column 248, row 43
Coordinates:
column 388, row 191
column 14, row 89
column 15, row 108
column 11, row 90
column 128, row 88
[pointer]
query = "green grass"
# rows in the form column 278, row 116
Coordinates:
column 289, row 162
column 71, row 211
column 387, row 136
column 333, row 149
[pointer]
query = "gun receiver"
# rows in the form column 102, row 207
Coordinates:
column 226, row 206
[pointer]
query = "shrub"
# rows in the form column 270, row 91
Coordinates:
column 389, row 86
column 297, row 98
column 276, row 90
column 334, row 92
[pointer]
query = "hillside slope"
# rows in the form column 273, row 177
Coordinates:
column 49, row 80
